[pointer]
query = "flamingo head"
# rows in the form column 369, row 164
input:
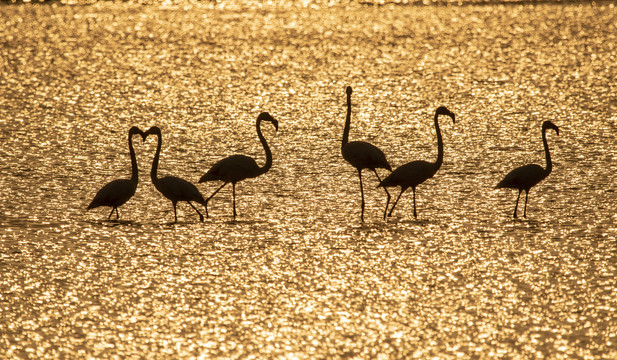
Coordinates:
column 550, row 125
column 348, row 90
column 264, row 116
column 135, row 130
column 153, row 130
column 442, row 110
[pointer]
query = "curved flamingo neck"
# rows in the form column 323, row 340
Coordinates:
column 134, row 171
column 549, row 163
column 155, row 162
column 268, row 163
column 347, row 122
column 439, row 144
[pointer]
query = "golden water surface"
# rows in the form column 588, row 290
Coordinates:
column 297, row 275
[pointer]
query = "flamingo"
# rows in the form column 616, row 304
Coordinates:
column 119, row 191
column 526, row 176
column 362, row 155
column 415, row 173
column 239, row 167
column 173, row 188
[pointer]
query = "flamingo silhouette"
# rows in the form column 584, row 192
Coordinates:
column 362, row 155
column 239, row 167
column 173, row 188
column 415, row 173
column 527, row 176
column 119, row 191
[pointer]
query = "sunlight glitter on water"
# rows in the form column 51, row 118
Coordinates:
column 297, row 275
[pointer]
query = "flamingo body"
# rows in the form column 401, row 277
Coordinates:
column 117, row 192
column 172, row 187
column 236, row 168
column 524, row 177
column 362, row 155
column 414, row 173
column 232, row 169
column 527, row 176
column 177, row 189
column 409, row 175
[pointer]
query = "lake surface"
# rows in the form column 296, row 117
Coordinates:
column 297, row 275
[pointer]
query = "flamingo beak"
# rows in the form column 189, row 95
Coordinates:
column 453, row 116
column 276, row 124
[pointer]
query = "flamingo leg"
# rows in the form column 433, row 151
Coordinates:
column 111, row 213
column 117, row 215
column 175, row 213
column 396, row 201
column 516, row 206
column 415, row 214
column 525, row 208
column 385, row 212
column 233, row 196
column 211, row 196
column 201, row 217
column 362, row 194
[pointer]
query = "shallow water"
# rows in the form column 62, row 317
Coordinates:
column 297, row 275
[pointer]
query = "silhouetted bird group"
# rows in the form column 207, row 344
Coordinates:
column 229, row 170
column 360, row 154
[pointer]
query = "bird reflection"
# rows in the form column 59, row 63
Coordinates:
column 119, row 191
column 527, row 176
column 239, row 167
column 416, row 172
column 362, row 155
column 173, row 188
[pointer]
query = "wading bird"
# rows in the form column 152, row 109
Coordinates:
column 174, row 188
column 415, row 173
column 119, row 191
column 526, row 176
column 362, row 155
column 239, row 167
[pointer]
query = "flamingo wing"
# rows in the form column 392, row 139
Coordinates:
column 410, row 174
column 363, row 155
column 177, row 189
column 232, row 169
column 114, row 193
column 523, row 177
